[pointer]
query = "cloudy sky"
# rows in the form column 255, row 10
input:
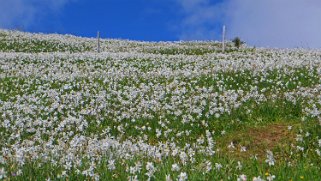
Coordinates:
column 268, row 23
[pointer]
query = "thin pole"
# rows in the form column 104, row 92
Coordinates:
column 98, row 42
column 223, row 38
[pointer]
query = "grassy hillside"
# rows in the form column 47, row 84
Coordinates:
column 156, row 110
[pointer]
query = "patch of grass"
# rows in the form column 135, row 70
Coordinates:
column 275, row 136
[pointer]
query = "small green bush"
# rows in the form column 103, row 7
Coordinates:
column 237, row 42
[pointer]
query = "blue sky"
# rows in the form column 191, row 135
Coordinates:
column 149, row 20
column 268, row 23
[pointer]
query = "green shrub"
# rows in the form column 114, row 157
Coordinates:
column 237, row 42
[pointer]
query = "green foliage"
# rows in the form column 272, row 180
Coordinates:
column 92, row 93
column 237, row 42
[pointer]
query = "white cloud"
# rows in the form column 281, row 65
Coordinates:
column 24, row 13
column 200, row 19
column 274, row 23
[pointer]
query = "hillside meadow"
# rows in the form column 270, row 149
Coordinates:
column 156, row 110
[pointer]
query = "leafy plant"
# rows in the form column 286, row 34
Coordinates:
column 237, row 42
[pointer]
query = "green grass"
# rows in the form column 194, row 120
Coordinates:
column 273, row 123
column 271, row 119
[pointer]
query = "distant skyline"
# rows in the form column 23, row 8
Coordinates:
column 268, row 23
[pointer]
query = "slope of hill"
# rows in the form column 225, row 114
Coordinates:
column 156, row 110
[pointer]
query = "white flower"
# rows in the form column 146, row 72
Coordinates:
column 231, row 145
column 150, row 166
column 168, row 178
column 217, row 115
column 270, row 158
column 241, row 178
column 258, row 179
column 150, row 170
column 132, row 170
column 270, row 177
column 184, row 158
column 243, row 149
column 111, row 165
column 19, row 172
column 158, row 133
column 133, row 178
column 138, row 166
column 223, row 132
column 239, row 165
column 175, row 167
column 254, row 157
column 2, row 160
column 208, row 166
column 182, row 176
column 3, row 173
column 218, row 166
column 68, row 165
column 300, row 148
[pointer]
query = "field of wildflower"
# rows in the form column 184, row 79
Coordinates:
column 156, row 111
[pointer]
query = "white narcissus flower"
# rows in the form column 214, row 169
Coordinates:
column 300, row 148
column 183, row 157
column 258, row 179
column 133, row 178
column 223, row 132
column 231, row 145
column 2, row 160
column 239, row 165
column 182, row 176
column 243, row 149
column 218, row 166
column 3, row 173
column 175, row 167
column 150, row 170
column 208, row 166
column 111, row 165
column 270, row 177
column 132, row 170
column 270, row 158
column 242, row 178
column 168, row 178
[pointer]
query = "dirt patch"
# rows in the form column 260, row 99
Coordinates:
column 249, row 142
